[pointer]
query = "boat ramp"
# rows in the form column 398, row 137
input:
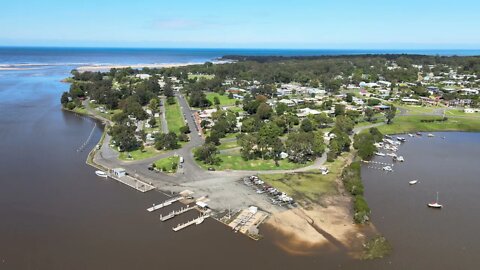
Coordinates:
column 247, row 222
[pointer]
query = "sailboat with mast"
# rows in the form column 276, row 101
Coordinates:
column 435, row 204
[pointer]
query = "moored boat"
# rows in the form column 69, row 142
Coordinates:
column 431, row 135
column 101, row 174
column 435, row 204
column 380, row 154
column 413, row 182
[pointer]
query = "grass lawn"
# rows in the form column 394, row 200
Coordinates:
column 170, row 164
column 365, row 123
column 80, row 110
column 109, row 114
column 174, row 117
column 233, row 161
column 201, row 76
column 310, row 185
column 235, row 108
column 224, row 100
column 417, row 109
column 138, row 154
column 462, row 114
column 227, row 145
column 408, row 124
column 231, row 135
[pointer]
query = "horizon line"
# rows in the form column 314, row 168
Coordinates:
column 236, row 48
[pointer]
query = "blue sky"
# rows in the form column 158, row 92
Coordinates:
column 345, row 24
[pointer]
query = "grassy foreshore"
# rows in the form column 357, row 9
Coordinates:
column 308, row 187
column 232, row 160
column 411, row 124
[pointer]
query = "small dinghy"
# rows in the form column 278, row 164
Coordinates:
column 413, row 182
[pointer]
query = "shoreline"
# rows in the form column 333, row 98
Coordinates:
column 107, row 67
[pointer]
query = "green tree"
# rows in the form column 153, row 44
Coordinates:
column 264, row 111
column 207, row 153
column 167, row 141
column 306, row 125
column 152, row 122
column 281, row 108
column 339, row 109
column 65, row 98
column 168, row 89
column 369, row 114
column 390, row 114
column 154, row 104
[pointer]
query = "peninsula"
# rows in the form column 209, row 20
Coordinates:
column 282, row 134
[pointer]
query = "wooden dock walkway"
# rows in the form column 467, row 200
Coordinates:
column 176, row 213
column 195, row 221
column 165, row 203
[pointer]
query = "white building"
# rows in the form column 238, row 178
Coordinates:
column 119, row 172
column 302, row 113
column 143, row 76
column 287, row 102
column 410, row 100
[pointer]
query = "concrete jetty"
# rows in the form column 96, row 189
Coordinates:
column 165, row 203
column 176, row 213
column 133, row 183
column 195, row 221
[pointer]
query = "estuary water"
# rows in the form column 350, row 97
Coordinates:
column 56, row 214
column 422, row 237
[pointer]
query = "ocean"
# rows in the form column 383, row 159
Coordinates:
column 21, row 56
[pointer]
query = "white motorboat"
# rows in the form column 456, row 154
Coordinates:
column 401, row 139
column 387, row 168
column 413, row 182
column 430, row 135
column 380, row 154
column 101, row 174
column 435, row 204
column 411, row 135
column 400, row 158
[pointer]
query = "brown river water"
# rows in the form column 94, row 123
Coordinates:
column 56, row 214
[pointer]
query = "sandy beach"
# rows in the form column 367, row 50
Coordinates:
column 319, row 226
column 106, row 67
